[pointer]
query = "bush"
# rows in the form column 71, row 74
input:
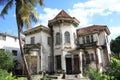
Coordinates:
column 4, row 75
column 94, row 74
column 6, row 60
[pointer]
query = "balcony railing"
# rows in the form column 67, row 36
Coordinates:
column 91, row 44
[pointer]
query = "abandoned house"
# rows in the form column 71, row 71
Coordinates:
column 63, row 47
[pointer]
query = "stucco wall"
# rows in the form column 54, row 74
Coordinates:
column 42, row 38
column 11, row 44
column 62, row 28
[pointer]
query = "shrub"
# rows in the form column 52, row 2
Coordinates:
column 6, row 60
column 4, row 75
column 94, row 74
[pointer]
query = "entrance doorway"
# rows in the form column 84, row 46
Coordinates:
column 68, row 64
column 72, row 64
column 76, row 66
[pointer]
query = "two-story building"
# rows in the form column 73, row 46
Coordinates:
column 10, row 43
column 63, row 47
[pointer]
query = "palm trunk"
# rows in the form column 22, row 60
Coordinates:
column 23, row 57
column 19, row 25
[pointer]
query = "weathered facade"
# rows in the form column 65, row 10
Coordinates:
column 63, row 47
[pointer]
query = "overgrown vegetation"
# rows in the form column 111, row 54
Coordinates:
column 6, row 60
column 6, row 63
column 112, row 74
column 94, row 74
column 4, row 75
column 115, row 47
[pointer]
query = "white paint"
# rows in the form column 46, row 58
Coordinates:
column 11, row 43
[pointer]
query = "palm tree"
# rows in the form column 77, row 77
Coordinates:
column 25, row 14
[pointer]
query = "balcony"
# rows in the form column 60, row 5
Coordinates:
column 91, row 44
column 31, row 47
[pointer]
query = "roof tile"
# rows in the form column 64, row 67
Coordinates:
column 92, row 29
column 63, row 14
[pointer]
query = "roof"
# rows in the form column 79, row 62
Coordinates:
column 6, row 34
column 35, row 29
column 93, row 29
column 62, row 16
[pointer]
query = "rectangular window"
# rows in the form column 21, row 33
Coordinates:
column 14, row 52
column 83, row 40
column 2, row 37
column 74, row 37
column 87, row 39
column 92, row 57
column 32, row 40
column 49, row 41
column 58, row 62
column 91, row 38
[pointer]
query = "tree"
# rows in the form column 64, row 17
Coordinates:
column 114, row 71
column 115, row 47
column 25, row 14
column 6, row 60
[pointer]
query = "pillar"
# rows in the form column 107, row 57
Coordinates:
column 99, row 54
column 80, row 55
column 63, row 60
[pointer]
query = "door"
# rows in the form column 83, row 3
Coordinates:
column 68, row 64
column 76, row 67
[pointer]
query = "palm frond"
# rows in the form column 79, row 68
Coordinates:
column 5, row 9
column 41, row 2
column 34, row 15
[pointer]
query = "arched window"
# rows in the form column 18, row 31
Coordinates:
column 57, row 38
column 67, row 37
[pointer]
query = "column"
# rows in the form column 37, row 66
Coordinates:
column 38, row 63
column 99, row 54
column 63, row 60
column 80, row 55
column 42, row 59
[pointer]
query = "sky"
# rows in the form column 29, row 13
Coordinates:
column 88, row 12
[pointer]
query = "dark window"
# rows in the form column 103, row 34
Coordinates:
column 49, row 40
column 32, row 40
column 92, row 56
column 57, row 38
column 106, row 38
column 15, row 39
column 88, row 39
column 83, row 40
column 67, row 37
column 14, row 52
column 58, row 62
column 74, row 37
column 87, row 58
column 2, row 37
column 91, row 38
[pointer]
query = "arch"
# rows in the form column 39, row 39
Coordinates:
column 67, row 37
column 57, row 38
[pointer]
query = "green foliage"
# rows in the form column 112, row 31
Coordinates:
column 115, row 47
column 114, row 71
column 94, row 74
column 112, row 74
column 6, row 60
column 4, row 75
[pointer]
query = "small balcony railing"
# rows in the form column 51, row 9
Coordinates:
column 91, row 44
